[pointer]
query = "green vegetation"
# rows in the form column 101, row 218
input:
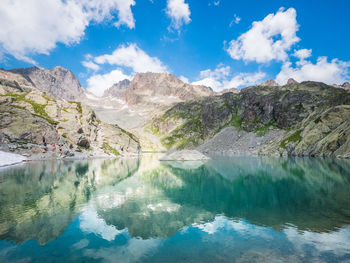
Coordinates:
column 79, row 108
column 236, row 121
column 109, row 149
column 39, row 109
column 47, row 98
column 262, row 130
column 131, row 136
column 192, row 131
column 295, row 137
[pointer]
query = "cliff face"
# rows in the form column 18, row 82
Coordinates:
column 58, row 81
column 29, row 117
column 160, row 88
column 306, row 119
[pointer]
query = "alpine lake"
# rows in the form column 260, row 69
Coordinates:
column 229, row 209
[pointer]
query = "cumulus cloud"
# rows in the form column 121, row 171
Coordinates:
column 91, row 65
column 133, row 57
column 98, row 83
column 302, row 53
column 221, row 78
column 267, row 40
column 179, row 12
column 35, row 27
column 332, row 72
column 126, row 57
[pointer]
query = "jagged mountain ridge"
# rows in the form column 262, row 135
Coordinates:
column 151, row 95
column 58, row 81
column 146, row 87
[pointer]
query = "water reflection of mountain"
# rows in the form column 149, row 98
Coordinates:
column 38, row 200
column 150, row 199
column 312, row 194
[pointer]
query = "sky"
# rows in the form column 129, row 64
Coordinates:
column 218, row 43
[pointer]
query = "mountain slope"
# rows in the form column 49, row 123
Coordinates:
column 309, row 118
column 30, row 117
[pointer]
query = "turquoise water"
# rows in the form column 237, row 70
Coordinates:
column 240, row 209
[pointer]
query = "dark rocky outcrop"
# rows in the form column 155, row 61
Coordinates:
column 290, row 108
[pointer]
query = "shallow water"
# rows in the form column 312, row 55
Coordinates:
column 240, row 209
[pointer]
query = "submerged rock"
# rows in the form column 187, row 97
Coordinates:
column 185, row 155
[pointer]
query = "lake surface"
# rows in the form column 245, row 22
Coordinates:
column 240, row 209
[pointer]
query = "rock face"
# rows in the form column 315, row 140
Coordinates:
column 291, row 81
column 156, row 88
column 118, row 89
column 58, row 81
column 345, row 85
column 309, row 118
column 270, row 83
column 30, row 118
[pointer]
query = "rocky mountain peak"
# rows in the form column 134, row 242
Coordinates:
column 117, row 88
column 291, row 81
column 270, row 83
column 346, row 85
column 58, row 81
column 150, row 87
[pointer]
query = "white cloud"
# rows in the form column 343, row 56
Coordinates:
column 133, row 57
column 332, row 72
column 209, row 82
column 91, row 65
column 184, row 79
column 268, row 39
column 236, row 20
column 34, row 26
column 337, row 241
column 179, row 12
column 98, row 83
column 129, row 57
column 221, row 78
column 90, row 222
column 302, row 53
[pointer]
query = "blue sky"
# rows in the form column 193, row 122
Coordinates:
column 215, row 43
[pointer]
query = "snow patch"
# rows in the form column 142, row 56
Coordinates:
column 7, row 158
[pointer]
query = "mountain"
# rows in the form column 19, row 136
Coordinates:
column 291, row 81
column 270, row 83
column 133, row 104
column 31, row 117
column 118, row 89
column 58, row 81
column 345, row 85
column 305, row 119
column 159, row 88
